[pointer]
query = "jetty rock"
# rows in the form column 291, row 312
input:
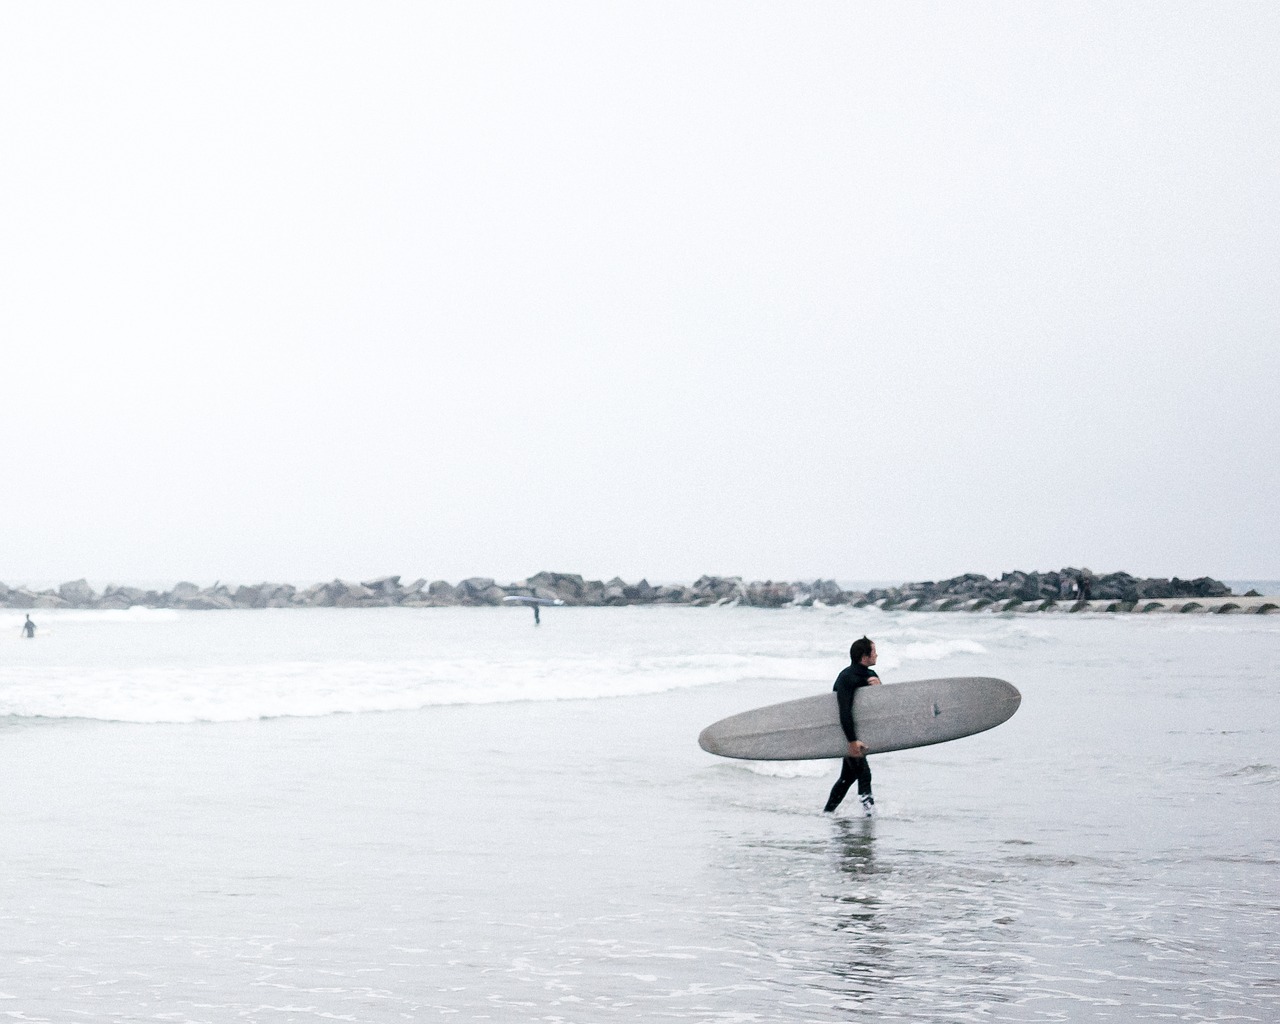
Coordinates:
column 77, row 593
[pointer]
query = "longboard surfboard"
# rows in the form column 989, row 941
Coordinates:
column 894, row 716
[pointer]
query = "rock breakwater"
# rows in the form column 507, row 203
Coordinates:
column 1063, row 590
column 1070, row 590
column 1060, row 585
column 387, row 591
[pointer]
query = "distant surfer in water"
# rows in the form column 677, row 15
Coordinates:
column 29, row 629
column 532, row 602
column 854, row 768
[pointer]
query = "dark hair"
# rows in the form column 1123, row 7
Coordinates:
column 860, row 649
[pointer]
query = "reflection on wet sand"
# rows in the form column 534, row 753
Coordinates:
column 856, row 846
column 865, row 961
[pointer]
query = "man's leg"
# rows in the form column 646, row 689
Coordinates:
column 848, row 775
column 863, row 768
column 864, row 785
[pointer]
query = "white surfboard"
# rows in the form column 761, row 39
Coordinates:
column 893, row 716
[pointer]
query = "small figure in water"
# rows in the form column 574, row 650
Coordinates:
column 29, row 628
column 532, row 602
column 862, row 655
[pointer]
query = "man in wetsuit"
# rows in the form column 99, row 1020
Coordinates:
column 29, row 628
column 862, row 655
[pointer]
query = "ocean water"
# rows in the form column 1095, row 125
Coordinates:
column 418, row 814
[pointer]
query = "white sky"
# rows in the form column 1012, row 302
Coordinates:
column 290, row 291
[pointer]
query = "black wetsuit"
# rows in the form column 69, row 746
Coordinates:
column 853, row 769
column 29, row 628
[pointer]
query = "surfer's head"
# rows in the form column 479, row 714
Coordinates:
column 862, row 651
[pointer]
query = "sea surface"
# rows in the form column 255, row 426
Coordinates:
column 383, row 815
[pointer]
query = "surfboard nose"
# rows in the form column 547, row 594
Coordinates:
column 1015, row 695
column 1008, row 699
column 707, row 742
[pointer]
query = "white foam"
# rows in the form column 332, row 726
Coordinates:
column 893, row 654
column 790, row 769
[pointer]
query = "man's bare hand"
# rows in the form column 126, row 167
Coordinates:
column 873, row 681
column 857, row 748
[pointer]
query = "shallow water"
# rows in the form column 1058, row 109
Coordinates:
column 461, row 817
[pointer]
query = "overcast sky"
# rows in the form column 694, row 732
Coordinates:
column 297, row 290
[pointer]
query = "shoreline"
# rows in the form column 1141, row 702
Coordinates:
column 1021, row 592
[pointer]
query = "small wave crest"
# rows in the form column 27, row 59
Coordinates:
column 897, row 653
column 1256, row 774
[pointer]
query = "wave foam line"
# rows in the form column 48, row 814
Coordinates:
column 178, row 694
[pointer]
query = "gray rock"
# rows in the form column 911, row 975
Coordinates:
column 205, row 601
column 769, row 594
column 114, row 601
column 77, row 592
column 281, row 596
column 718, row 590
column 830, row 592
column 264, row 595
column 567, row 587
column 442, row 592
column 318, row 595
column 246, row 597
column 129, row 595
column 479, row 590
column 640, row 593
column 356, row 595
column 386, row 586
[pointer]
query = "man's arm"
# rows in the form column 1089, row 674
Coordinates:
column 856, row 747
column 844, row 700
